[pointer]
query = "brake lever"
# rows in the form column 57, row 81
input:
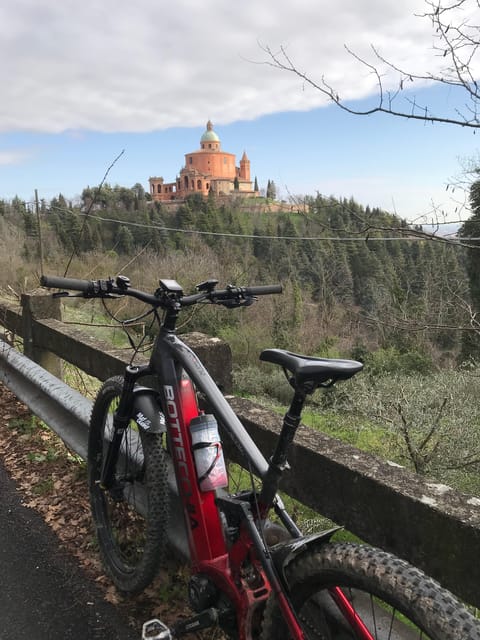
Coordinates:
column 66, row 294
column 239, row 302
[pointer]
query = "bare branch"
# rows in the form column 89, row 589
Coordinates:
column 94, row 199
column 458, row 42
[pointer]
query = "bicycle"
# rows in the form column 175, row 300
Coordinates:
column 245, row 581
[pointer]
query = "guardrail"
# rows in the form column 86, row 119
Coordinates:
column 429, row 524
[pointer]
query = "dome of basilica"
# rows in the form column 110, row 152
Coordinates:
column 209, row 135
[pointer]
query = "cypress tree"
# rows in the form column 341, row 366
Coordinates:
column 471, row 229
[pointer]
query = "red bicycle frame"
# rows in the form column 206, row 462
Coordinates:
column 208, row 548
column 210, row 552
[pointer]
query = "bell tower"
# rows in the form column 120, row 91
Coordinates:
column 245, row 168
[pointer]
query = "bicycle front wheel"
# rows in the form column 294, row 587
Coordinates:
column 393, row 600
column 131, row 516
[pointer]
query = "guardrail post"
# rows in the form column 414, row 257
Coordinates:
column 40, row 306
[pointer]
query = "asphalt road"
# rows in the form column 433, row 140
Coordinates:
column 44, row 594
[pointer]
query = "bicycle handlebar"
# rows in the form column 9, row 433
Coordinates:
column 262, row 289
column 102, row 288
column 98, row 288
column 57, row 282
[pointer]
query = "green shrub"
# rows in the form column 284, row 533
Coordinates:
column 328, row 348
column 265, row 381
column 391, row 360
column 435, row 419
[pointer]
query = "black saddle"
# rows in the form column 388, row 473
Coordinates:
column 309, row 371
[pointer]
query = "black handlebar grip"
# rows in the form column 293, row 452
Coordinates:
column 57, row 282
column 263, row 289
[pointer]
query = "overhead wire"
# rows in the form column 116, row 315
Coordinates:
column 408, row 234
column 360, row 238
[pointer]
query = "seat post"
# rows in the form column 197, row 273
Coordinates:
column 278, row 462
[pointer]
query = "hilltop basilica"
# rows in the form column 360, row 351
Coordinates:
column 207, row 169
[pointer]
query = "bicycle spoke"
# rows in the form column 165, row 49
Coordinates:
column 383, row 621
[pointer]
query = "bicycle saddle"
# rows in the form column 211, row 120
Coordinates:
column 308, row 370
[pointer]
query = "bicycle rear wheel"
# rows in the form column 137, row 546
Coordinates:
column 394, row 600
column 131, row 517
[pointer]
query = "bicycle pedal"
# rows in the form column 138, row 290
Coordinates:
column 203, row 620
column 155, row 630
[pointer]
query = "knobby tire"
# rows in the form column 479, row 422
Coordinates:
column 395, row 600
column 131, row 544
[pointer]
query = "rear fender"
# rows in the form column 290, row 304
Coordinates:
column 147, row 410
column 335, row 615
column 284, row 552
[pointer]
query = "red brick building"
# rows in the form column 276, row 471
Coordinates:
column 207, row 169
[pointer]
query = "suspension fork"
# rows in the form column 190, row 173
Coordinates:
column 121, row 419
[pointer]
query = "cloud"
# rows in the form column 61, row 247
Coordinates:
column 122, row 66
column 12, row 157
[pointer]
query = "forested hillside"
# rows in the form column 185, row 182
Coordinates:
column 355, row 278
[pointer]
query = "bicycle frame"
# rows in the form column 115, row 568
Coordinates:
column 208, row 547
column 178, row 370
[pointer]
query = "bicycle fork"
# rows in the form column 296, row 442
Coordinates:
column 121, row 419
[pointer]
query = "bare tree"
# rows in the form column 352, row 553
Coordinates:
column 433, row 422
column 457, row 43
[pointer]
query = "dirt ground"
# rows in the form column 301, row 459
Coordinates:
column 52, row 482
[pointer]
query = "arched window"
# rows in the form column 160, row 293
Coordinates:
column 199, row 185
column 159, row 188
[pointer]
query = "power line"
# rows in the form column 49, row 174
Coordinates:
column 367, row 238
column 363, row 236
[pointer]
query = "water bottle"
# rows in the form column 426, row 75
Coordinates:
column 207, row 452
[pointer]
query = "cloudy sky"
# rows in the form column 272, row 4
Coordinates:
column 83, row 80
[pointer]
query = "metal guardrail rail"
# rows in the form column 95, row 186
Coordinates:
column 65, row 410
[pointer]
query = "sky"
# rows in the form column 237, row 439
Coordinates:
column 85, row 81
